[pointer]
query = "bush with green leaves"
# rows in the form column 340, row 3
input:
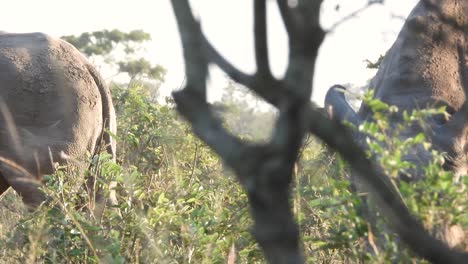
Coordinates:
column 437, row 196
column 178, row 204
column 174, row 201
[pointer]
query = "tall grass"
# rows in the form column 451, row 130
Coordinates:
column 177, row 203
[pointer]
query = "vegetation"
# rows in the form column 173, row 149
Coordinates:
column 177, row 202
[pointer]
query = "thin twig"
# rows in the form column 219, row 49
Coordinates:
column 353, row 14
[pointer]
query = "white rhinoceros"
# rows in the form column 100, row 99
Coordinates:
column 427, row 66
column 54, row 107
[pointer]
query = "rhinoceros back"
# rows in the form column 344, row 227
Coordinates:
column 54, row 102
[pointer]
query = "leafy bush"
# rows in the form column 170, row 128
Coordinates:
column 178, row 204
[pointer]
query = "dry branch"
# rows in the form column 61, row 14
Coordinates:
column 265, row 171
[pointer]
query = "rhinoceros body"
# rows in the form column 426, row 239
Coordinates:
column 54, row 107
column 426, row 67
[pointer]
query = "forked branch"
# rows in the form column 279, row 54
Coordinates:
column 265, row 171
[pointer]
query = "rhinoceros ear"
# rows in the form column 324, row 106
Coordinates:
column 338, row 108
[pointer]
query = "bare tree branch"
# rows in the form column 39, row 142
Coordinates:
column 261, row 39
column 206, row 126
column 398, row 17
column 303, row 47
column 286, row 15
column 250, row 81
column 196, row 64
column 354, row 14
column 235, row 74
column 411, row 231
column 265, row 171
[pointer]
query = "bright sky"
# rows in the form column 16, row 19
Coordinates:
column 228, row 24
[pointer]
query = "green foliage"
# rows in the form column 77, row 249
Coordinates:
column 374, row 65
column 439, row 199
column 143, row 67
column 105, row 41
column 175, row 202
column 178, row 204
column 244, row 114
column 331, row 226
column 385, row 140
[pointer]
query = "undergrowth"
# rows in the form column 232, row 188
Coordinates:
column 177, row 203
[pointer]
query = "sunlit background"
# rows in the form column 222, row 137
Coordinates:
column 228, row 24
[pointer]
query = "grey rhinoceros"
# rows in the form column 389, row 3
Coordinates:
column 54, row 107
column 425, row 67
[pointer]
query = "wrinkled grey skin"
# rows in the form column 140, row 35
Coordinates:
column 425, row 67
column 54, row 107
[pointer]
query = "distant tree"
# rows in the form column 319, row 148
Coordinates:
column 105, row 41
column 107, row 44
column 244, row 114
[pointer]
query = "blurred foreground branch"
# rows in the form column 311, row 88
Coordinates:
column 265, row 170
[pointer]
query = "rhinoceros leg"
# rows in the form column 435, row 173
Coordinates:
column 23, row 182
column 29, row 191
